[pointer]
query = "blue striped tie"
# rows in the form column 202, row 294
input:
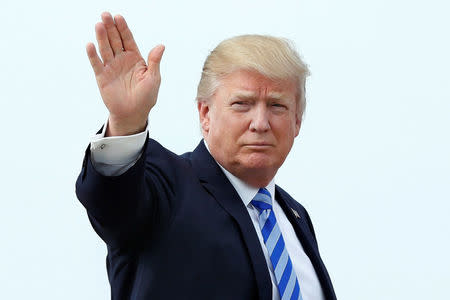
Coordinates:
column 287, row 282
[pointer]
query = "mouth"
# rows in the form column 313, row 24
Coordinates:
column 258, row 146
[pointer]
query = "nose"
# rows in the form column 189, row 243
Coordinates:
column 260, row 119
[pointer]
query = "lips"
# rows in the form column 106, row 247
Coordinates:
column 258, row 145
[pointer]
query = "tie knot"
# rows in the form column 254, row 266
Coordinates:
column 262, row 200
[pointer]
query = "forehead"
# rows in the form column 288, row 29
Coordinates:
column 247, row 83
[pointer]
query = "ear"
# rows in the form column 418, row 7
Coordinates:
column 298, row 124
column 203, row 113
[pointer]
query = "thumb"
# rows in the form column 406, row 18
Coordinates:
column 154, row 58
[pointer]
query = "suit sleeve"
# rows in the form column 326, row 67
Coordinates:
column 122, row 208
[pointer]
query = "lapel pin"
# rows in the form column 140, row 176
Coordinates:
column 295, row 213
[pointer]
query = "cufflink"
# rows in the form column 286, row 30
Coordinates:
column 295, row 213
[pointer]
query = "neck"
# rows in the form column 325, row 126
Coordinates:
column 254, row 178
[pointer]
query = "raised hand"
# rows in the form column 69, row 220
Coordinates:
column 128, row 86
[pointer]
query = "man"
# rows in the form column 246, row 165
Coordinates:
column 209, row 224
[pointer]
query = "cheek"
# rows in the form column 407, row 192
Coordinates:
column 221, row 129
column 233, row 125
column 286, row 132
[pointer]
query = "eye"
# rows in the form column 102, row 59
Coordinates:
column 240, row 105
column 278, row 106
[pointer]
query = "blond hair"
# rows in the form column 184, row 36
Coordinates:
column 272, row 57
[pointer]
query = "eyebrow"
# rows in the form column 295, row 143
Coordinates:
column 251, row 95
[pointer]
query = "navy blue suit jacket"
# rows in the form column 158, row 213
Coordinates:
column 175, row 228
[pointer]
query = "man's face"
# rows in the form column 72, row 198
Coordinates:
column 250, row 125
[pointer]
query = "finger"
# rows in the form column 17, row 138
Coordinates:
column 95, row 61
column 127, row 37
column 113, row 34
column 103, row 43
column 154, row 59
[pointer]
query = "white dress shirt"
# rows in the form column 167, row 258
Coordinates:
column 112, row 156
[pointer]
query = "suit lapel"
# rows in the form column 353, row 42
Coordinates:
column 300, row 224
column 216, row 183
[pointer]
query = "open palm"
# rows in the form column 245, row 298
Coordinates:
column 128, row 86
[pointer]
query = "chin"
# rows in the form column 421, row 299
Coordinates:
column 259, row 162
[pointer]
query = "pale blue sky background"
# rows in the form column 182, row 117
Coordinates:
column 371, row 164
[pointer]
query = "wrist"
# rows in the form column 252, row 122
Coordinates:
column 123, row 128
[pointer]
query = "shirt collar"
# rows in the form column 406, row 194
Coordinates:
column 245, row 191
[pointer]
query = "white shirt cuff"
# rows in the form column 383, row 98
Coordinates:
column 116, row 152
